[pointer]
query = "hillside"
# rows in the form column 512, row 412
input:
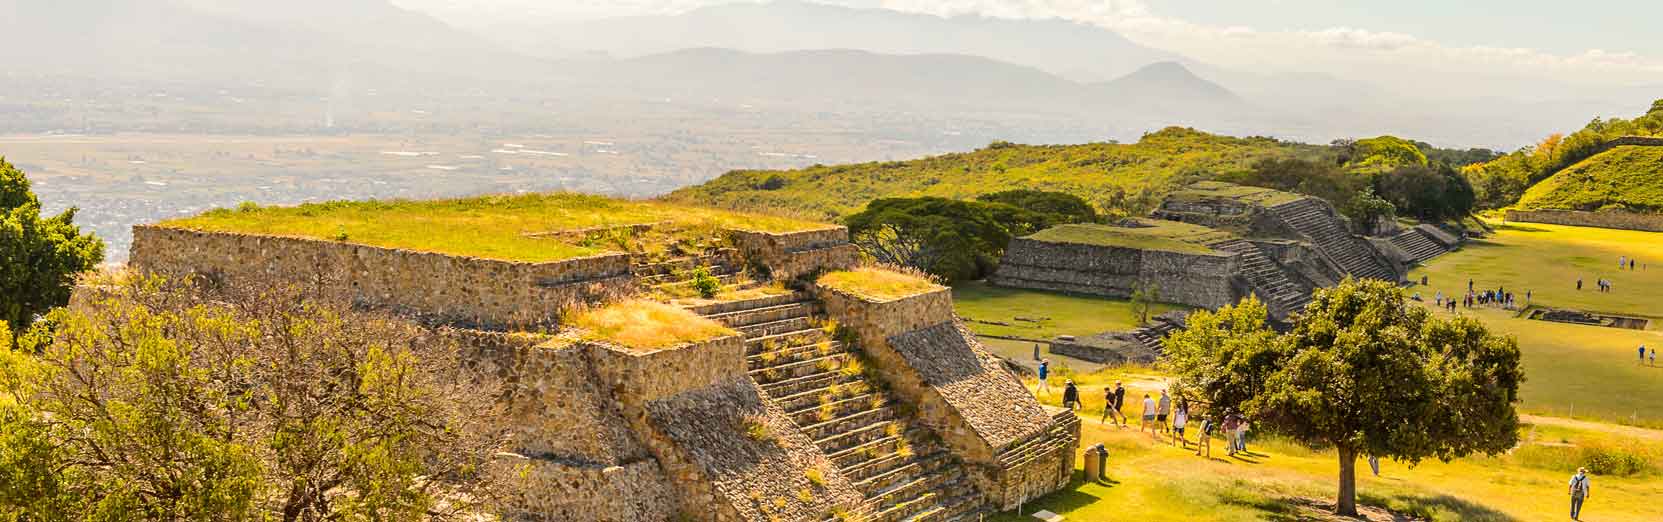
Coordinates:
column 1112, row 176
column 1627, row 177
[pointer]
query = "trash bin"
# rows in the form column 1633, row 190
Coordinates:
column 1094, row 465
column 1102, row 462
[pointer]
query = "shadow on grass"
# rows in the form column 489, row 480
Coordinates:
column 1436, row 507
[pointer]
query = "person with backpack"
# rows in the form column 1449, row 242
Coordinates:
column 1114, row 400
column 1229, row 427
column 1162, row 409
column 1580, row 491
column 1070, row 396
column 1180, row 418
column 1044, row 372
column 1204, row 443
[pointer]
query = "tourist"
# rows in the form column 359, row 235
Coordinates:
column 1440, row 298
column 1423, row 280
column 1044, row 373
column 1241, row 435
column 1204, row 440
column 1374, row 464
column 1580, row 491
column 1527, row 295
column 1631, row 264
column 1452, row 306
column 1469, row 284
column 1162, row 410
column 1579, row 284
column 1642, row 354
column 1654, row 357
column 1180, row 418
column 1148, row 416
column 1070, row 395
column 1229, row 427
column 1113, row 400
column 1621, row 262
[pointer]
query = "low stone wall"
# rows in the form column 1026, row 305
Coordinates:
column 1619, row 219
column 635, row 377
column 1202, row 280
column 797, row 254
column 960, row 391
column 476, row 291
column 549, row 491
column 1105, row 348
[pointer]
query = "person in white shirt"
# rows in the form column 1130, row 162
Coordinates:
column 1580, row 491
column 1180, row 418
column 1148, row 416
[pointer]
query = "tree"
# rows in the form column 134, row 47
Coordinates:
column 1363, row 372
column 1368, row 209
column 39, row 257
column 158, row 401
column 955, row 240
column 1143, row 298
column 1058, row 207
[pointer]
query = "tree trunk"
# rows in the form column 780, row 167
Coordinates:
column 1346, row 505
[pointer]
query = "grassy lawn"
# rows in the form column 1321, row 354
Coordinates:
column 1169, row 236
column 495, row 227
column 1630, row 177
column 1591, row 370
column 1158, row 482
column 1036, row 314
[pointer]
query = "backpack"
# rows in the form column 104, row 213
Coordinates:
column 1578, row 483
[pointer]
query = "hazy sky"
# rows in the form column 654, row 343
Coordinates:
column 1607, row 42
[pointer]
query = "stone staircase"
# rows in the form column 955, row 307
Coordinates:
column 1154, row 335
column 1267, row 279
column 1310, row 217
column 1417, row 245
column 901, row 469
column 675, row 276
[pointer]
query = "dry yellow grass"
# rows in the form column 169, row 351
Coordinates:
column 646, row 325
column 878, row 284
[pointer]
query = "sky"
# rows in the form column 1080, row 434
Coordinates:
column 1598, row 42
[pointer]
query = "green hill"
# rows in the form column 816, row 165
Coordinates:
column 1129, row 178
column 1626, row 178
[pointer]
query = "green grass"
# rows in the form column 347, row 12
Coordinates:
column 1588, row 370
column 877, row 284
column 1220, row 190
column 1166, row 236
column 646, row 325
column 494, row 227
column 1627, row 178
column 1158, row 482
column 1041, row 315
column 1107, row 175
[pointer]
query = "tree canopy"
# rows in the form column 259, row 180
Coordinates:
column 1502, row 181
column 39, row 256
column 159, row 402
column 958, row 240
column 1363, row 371
column 1058, row 207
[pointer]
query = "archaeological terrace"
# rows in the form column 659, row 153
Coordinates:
column 817, row 391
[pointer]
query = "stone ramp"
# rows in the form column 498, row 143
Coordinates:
column 902, row 470
column 1417, row 246
column 1314, row 219
column 1266, row 278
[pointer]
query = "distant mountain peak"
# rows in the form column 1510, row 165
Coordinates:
column 1169, row 81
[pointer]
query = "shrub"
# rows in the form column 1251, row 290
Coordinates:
column 815, row 476
column 707, row 285
column 756, row 428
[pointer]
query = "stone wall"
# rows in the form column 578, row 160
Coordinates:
column 1302, row 263
column 468, row 290
column 797, row 254
column 635, row 377
column 960, row 391
column 549, row 491
column 1618, row 219
column 1197, row 279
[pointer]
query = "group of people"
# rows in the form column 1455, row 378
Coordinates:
column 1498, row 297
column 1165, row 418
column 1643, row 355
column 1604, row 284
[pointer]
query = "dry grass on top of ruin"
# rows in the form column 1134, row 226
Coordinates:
column 1246, row 194
column 878, row 284
column 1144, row 234
column 646, row 325
column 504, row 227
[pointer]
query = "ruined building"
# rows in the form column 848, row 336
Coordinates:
column 1211, row 244
column 818, row 395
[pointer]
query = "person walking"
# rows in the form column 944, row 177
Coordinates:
column 1469, row 284
column 1044, row 373
column 1374, row 464
column 1229, row 427
column 1204, row 440
column 1580, row 491
column 1148, row 416
column 1642, row 354
column 1113, row 400
column 1162, row 409
column 1579, row 284
column 1070, row 396
column 1654, row 357
column 1180, row 419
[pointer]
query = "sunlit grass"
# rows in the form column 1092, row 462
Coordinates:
column 495, row 227
column 646, row 325
column 878, row 284
column 1042, row 315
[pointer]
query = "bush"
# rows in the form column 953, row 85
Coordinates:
column 707, row 285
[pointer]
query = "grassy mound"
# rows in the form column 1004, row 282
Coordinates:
column 516, row 228
column 1149, row 234
column 1623, row 178
column 877, row 284
column 1107, row 175
column 647, row 325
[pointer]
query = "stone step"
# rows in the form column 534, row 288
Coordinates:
column 850, row 438
column 811, row 398
column 742, row 318
column 793, row 324
column 722, row 307
column 807, row 383
column 779, row 356
column 853, row 420
column 791, row 370
column 807, row 336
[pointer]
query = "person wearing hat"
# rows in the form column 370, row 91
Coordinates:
column 1579, row 492
column 1070, row 395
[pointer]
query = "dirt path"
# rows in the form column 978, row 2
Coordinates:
column 1614, row 429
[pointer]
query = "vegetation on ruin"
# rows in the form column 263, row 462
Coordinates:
column 957, row 240
column 496, row 227
column 1280, row 479
column 39, row 255
column 159, row 401
column 1503, row 181
column 646, row 325
column 1370, row 188
column 1149, row 234
column 878, row 283
column 1624, row 178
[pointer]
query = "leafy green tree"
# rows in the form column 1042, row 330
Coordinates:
column 39, row 257
column 1368, row 209
column 1385, row 153
column 159, row 402
column 1057, row 207
column 952, row 239
column 1144, row 297
column 1364, row 372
